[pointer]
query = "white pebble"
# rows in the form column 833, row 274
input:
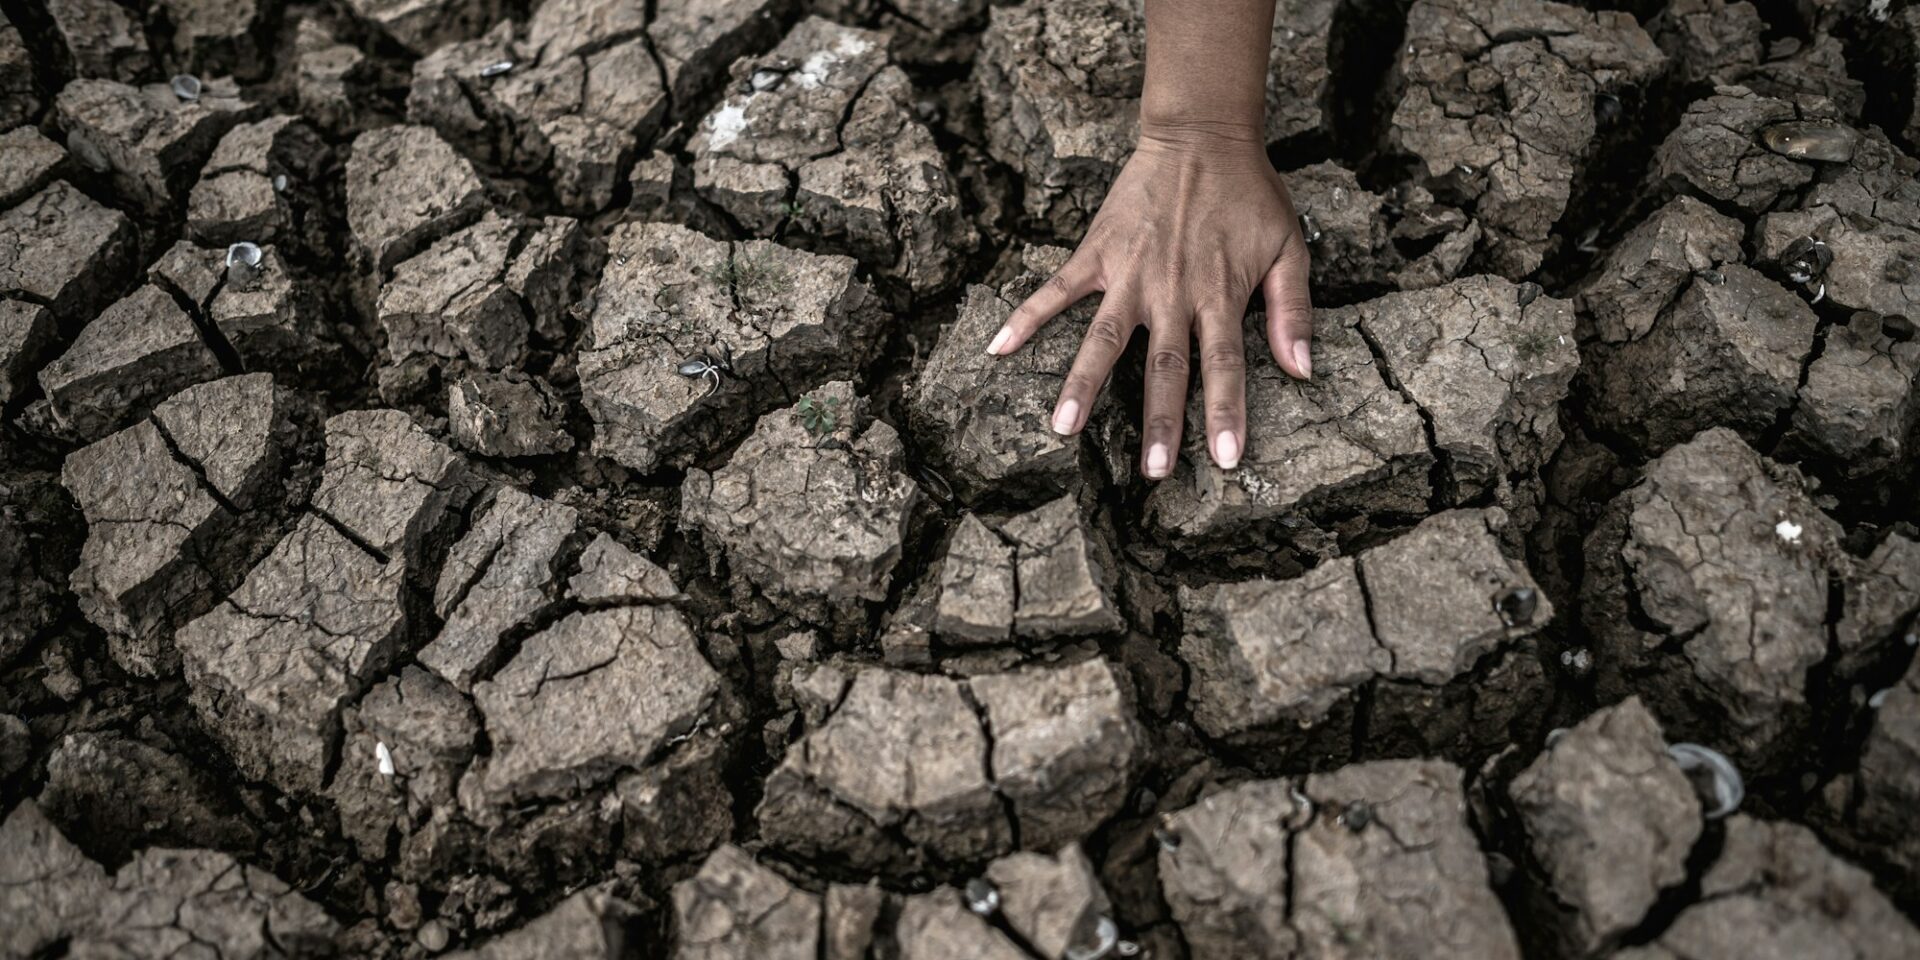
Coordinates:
column 385, row 756
column 1788, row 531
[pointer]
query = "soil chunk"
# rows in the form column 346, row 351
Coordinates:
column 736, row 909
column 256, row 185
column 148, row 140
column 66, row 252
column 135, row 354
column 442, row 193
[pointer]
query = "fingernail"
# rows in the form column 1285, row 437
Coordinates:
column 1158, row 461
column 1303, row 356
column 1067, row 417
column 1226, row 450
column 1000, row 340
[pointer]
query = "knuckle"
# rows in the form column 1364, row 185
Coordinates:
column 1223, row 411
column 1105, row 332
column 1079, row 386
column 1058, row 285
column 1162, row 425
column 1223, row 358
column 1167, row 362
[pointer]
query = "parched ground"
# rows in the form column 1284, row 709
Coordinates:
column 522, row 479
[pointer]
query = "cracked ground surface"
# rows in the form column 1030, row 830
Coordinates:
column 521, row 479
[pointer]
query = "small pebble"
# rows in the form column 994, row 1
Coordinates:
column 983, row 897
column 433, row 936
column 186, row 86
column 497, row 68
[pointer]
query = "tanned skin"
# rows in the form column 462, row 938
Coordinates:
column 1196, row 221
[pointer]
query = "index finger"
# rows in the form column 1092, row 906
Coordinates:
column 1076, row 280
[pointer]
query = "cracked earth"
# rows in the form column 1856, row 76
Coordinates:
column 521, row 479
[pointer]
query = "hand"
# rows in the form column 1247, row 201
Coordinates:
column 1192, row 225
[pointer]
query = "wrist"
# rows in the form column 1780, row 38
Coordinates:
column 1206, row 144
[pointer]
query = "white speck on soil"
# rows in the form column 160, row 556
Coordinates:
column 385, row 756
column 1788, row 531
column 728, row 123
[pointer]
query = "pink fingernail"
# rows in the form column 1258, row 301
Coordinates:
column 1226, row 450
column 1000, row 340
column 1303, row 356
column 1159, row 461
column 1067, row 417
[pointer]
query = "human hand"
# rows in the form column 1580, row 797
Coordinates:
column 1194, row 223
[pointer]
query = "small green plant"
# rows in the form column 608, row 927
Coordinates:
column 754, row 279
column 1533, row 343
column 819, row 417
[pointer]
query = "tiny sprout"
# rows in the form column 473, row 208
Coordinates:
column 186, row 86
column 1714, row 777
column 763, row 80
column 1467, row 170
column 1577, row 660
column 1806, row 259
column 819, row 417
column 1095, row 938
column 1126, row 948
column 1589, row 241
column 1309, row 230
column 496, row 68
column 707, row 368
column 983, row 897
column 1517, row 605
column 279, row 183
column 384, row 757
column 1554, row 735
column 1879, row 697
column 1606, row 108
column 1714, row 277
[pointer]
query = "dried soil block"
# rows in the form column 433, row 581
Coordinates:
column 977, row 588
column 1059, row 86
column 590, row 925
column 48, row 887
column 1717, row 152
column 312, row 626
column 986, row 418
column 1374, row 859
column 1640, row 277
column 1608, row 785
column 736, row 909
column 939, row 926
column 501, row 575
column 329, row 78
column 822, row 144
column 167, row 501
column 422, row 25
column 908, row 769
column 134, row 355
column 20, row 99
column 407, row 188
column 1498, row 103
column 1776, row 892
column 773, row 320
column 1432, row 623
column 472, row 300
column 1709, row 40
column 28, row 162
column 610, row 572
column 813, row 509
column 1470, row 374
column 1707, row 594
column 596, row 693
column 1055, row 902
column 390, row 485
column 1867, row 212
column 248, row 188
column 161, row 903
column 404, row 748
column 147, row 139
column 224, row 36
column 1064, row 572
column 1887, row 785
column 1882, row 597
column 122, row 794
column 1354, row 234
column 272, row 319
column 1728, row 352
column 1858, row 410
column 26, row 330
column 101, row 38
column 62, row 250
column 507, row 414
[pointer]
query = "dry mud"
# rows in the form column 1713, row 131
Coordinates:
column 520, row 479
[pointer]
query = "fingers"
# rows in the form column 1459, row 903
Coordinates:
column 1165, row 410
column 1106, row 336
column 1076, row 279
column 1223, row 379
column 1290, row 309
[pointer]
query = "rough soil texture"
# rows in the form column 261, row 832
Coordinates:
column 514, row 480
